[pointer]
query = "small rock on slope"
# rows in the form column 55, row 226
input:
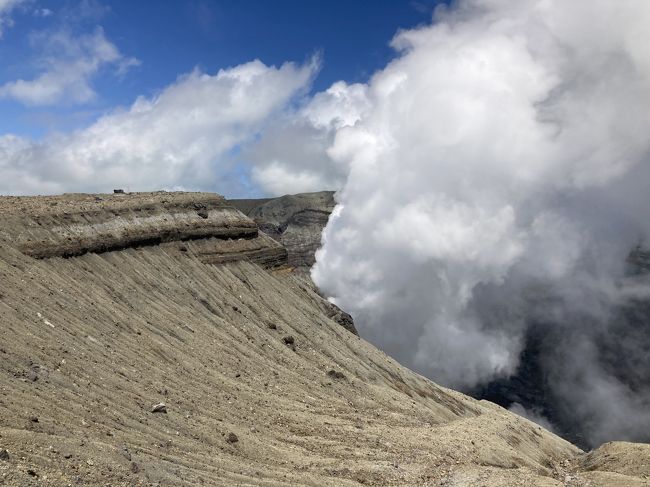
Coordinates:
column 159, row 408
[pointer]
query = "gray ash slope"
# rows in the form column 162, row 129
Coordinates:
column 111, row 305
column 622, row 348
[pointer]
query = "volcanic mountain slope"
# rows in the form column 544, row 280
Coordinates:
column 548, row 345
column 112, row 305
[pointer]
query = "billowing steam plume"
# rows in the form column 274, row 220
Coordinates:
column 498, row 176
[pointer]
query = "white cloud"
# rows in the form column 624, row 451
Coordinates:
column 43, row 12
column 6, row 7
column 68, row 67
column 292, row 155
column 183, row 137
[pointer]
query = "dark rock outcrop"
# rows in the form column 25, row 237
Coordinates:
column 341, row 317
column 296, row 221
column 329, row 309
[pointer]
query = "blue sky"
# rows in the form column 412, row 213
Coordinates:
column 171, row 38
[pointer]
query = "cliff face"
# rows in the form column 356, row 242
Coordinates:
column 182, row 359
column 296, row 221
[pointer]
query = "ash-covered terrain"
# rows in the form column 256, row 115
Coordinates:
column 162, row 339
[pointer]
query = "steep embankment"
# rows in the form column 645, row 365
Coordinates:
column 259, row 385
column 297, row 222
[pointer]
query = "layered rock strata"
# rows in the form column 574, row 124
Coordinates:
column 73, row 225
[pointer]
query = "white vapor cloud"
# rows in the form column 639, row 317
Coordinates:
column 68, row 66
column 6, row 6
column 184, row 137
column 496, row 178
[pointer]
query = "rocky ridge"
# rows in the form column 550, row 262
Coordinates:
column 76, row 224
column 165, row 362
